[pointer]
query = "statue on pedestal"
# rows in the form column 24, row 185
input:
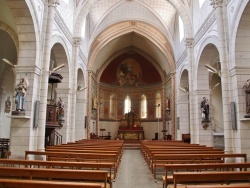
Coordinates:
column 19, row 95
column 246, row 88
column 60, row 113
column 205, row 109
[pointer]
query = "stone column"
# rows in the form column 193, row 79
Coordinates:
column 163, row 111
column 172, row 104
column 45, row 73
column 190, row 52
column 77, row 43
column 98, row 109
column 225, row 82
column 89, row 102
column 22, row 133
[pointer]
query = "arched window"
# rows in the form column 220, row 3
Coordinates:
column 201, row 2
column 143, row 106
column 181, row 28
column 158, row 105
column 127, row 104
column 66, row 1
column 83, row 31
column 112, row 106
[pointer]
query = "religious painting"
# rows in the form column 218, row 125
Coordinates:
column 129, row 73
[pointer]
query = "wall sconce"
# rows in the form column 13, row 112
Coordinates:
column 213, row 70
column 80, row 88
column 56, row 68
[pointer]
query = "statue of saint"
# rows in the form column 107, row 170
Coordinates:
column 7, row 105
column 246, row 88
column 205, row 109
column 60, row 112
column 20, row 93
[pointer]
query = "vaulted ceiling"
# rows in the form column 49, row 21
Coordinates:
column 159, row 14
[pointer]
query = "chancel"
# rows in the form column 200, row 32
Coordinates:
column 130, row 127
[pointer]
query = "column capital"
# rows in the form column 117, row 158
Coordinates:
column 172, row 73
column 77, row 41
column 216, row 3
column 54, row 3
column 189, row 42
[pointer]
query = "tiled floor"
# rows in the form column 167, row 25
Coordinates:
column 134, row 172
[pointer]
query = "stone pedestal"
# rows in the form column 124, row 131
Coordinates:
column 18, row 113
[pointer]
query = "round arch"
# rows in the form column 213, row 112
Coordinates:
column 182, row 69
column 211, row 40
column 31, row 33
column 63, row 54
column 159, row 40
column 235, row 27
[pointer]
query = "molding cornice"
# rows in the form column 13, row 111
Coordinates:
column 28, row 69
column 202, row 92
column 209, row 22
column 181, row 59
column 239, row 70
column 63, row 91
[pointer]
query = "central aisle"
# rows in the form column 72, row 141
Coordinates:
column 134, row 172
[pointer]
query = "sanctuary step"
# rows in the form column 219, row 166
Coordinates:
column 131, row 144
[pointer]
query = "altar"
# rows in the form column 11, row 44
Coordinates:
column 130, row 128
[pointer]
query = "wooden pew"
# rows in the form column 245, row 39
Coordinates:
column 13, row 183
column 219, row 186
column 80, row 157
column 170, row 168
column 55, row 174
column 209, row 177
column 161, row 159
column 60, row 165
column 151, row 155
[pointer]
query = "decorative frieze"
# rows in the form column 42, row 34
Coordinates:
column 205, row 28
column 181, row 59
column 63, row 27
